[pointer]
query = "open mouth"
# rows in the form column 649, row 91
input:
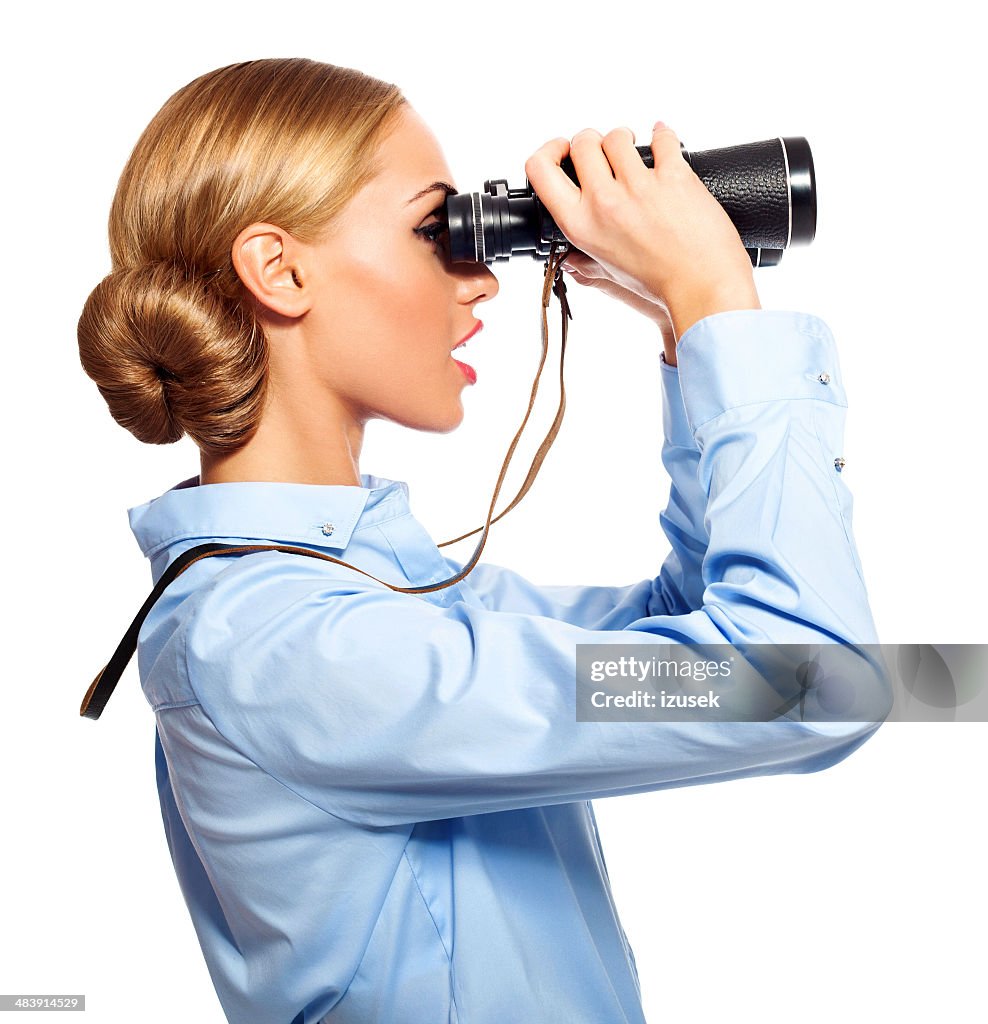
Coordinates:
column 478, row 327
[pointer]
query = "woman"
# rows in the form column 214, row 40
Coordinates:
column 377, row 803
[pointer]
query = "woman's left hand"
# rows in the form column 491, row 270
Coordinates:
column 587, row 271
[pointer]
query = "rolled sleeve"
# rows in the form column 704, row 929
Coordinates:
column 675, row 423
column 679, row 587
column 764, row 396
column 746, row 356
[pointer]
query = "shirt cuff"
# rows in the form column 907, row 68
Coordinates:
column 674, row 421
column 746, row 356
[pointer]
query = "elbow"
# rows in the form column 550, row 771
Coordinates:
column 834, row 696
column 850, row 697
column 831, row 743
column 851, row 688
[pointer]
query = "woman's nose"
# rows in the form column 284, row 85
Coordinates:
column 479, row 284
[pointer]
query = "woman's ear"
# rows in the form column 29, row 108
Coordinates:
column 266, row 260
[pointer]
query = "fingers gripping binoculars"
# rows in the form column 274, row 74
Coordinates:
column 768, row 189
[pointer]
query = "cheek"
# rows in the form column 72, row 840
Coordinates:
column 391, row 301
column 383, row 314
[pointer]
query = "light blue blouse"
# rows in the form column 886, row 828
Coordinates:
column 378, row 804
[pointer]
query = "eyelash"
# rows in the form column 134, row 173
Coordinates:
column 432, row 232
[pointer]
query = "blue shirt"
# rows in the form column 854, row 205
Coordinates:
column 378, row 804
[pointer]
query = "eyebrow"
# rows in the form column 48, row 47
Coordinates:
column 436, row 186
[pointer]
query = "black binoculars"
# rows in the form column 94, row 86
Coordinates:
column 768, row 189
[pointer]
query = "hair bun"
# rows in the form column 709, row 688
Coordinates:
column 172, row 357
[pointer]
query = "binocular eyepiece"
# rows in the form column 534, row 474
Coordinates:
column 767, row 188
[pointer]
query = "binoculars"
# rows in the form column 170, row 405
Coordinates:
column 768, row 189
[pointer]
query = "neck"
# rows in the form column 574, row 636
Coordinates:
column 295, row 444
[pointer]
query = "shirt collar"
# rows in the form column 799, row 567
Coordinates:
column 319, row 515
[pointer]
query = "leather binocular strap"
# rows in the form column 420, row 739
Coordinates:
column 103, row 685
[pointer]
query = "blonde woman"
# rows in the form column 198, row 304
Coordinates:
column 378, row 803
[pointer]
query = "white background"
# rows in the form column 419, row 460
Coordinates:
column 854, row 894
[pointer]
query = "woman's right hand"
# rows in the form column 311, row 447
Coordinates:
column 656, row 231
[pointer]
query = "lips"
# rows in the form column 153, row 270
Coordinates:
column 479, row 325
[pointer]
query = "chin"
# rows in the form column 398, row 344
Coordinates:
column 434, row 423
column 450, row 424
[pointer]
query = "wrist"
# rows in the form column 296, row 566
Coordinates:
column 697, row 304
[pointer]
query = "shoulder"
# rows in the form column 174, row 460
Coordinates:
column 239, row 590
column 266, row 621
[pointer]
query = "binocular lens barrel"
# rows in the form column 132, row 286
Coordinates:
column 767, row 188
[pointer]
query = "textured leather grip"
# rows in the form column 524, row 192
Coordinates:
column 752, row 185
column 751, row 182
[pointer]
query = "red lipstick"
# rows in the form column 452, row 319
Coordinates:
column 468, row 371
column 477, row 327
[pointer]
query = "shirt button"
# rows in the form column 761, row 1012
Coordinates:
column 823, row 378
column 327, row 528
column 839, row 463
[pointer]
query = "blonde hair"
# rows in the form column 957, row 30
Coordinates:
column 169, row 337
